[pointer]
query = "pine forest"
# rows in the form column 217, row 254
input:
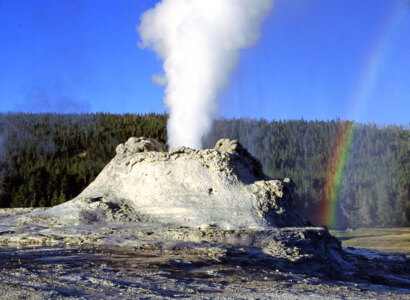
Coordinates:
column 47, row 159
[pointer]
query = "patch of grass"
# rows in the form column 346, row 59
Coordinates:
column 394, row 240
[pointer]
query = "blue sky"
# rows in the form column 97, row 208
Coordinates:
column 316, row 59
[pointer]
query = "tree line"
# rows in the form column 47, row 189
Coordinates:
column 375, row 182
column 47, row 159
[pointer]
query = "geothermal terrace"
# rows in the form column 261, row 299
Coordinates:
column 186, row 223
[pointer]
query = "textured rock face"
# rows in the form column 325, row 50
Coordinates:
column 223, row 187
column 141, row 144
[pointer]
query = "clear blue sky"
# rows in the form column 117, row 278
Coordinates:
column 316, row 59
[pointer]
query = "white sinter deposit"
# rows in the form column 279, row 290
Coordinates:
column 223, row 187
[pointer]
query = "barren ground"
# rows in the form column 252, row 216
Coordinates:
column 122, row 268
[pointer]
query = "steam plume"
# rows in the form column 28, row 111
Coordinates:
column 199, row 43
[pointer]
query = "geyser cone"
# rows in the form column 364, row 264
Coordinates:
column 224, row 187
column 212, row 208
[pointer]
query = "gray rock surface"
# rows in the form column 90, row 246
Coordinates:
column 176, row 271
column 141, row 144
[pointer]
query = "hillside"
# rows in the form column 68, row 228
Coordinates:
column 47, row 159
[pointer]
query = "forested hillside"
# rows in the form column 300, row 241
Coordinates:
column 47, row 159
column 374, row 188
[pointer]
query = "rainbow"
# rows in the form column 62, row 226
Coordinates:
column 374, row 64
column 340, row 154
column 344, row 139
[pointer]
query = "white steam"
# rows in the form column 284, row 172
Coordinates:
column 199, row 42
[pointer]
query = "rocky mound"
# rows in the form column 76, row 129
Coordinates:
column 223, row 187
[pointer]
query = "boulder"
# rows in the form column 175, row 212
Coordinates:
column 141, row 144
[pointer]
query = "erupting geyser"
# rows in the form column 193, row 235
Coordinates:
column 199, row 42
